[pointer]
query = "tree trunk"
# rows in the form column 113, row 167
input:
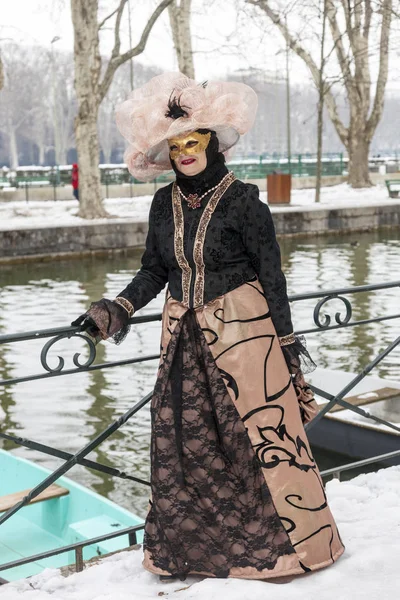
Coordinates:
column 13, row 147
column 320, row 126
column 90, row 203
column 107, row 154
column 42, row 153
column 1, row 74
column 321, row 93
column 179, row 17
column 353, row 48
column 358, row 151
column 87, row 72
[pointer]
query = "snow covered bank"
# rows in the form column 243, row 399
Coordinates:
column 19, row 214
column 367, row 512
column 16, row 215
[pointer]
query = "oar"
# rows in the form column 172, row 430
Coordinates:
column 352, row 407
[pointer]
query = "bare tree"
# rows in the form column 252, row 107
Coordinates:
column 321, row 98
column 353, row 49
column 1, row 74
column 66, row 105
column 108, row 133
column 90, row 90
column 179, row 17
column 39, row 126
column 16, row 102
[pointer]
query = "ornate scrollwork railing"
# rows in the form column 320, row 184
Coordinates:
column 325, row 321
column 89, row 341
column 72, row 333
column 338, row 318
column 321, row 317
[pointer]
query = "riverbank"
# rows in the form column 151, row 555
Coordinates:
column 43, row 230
column 366, row 513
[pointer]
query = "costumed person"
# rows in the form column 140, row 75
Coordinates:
column 75, row 181
column 236, row 491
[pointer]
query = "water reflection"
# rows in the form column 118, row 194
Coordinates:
column 66, row 412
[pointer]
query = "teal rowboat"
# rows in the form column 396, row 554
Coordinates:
column 70, row 514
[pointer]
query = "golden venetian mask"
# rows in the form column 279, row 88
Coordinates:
column 191, row 143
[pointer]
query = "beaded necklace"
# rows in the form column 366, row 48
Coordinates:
column 194, row 200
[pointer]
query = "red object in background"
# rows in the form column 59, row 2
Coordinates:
column 75, row 176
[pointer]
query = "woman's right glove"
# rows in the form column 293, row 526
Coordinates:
column 106, row 319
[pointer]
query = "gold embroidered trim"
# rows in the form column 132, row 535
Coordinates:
column 178, row 245
column 198, row 296
column 126, row 304
column 286, row 340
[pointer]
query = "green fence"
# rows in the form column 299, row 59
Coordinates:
column 301, row 165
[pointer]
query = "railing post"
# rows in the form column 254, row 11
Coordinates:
column 79, row 559
column 54, row 178
column 106, row 176
column 132, row 538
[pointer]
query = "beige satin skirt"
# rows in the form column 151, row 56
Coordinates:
column 236, row 491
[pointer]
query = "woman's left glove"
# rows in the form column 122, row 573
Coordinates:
column 107, row 319
column 299, row 361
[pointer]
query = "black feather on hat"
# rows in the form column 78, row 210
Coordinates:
column 175, row 110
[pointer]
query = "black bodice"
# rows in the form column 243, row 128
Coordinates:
column 239, row 244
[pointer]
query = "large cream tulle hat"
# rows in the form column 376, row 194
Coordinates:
column 228, row 108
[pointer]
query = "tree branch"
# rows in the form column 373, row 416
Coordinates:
column 340, row 52
column 347, row 14
column 357, row 16
column 367, row 18
column 117, row 27
column 383, row 69
column 106, row 19
column 117, row 59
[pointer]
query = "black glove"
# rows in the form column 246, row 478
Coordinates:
column 87, row 324
column 105, row 320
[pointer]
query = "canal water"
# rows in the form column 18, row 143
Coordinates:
column 68, row 411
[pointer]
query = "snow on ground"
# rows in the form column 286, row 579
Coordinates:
column 21, row 214
column 366, row 510
column 43, row 213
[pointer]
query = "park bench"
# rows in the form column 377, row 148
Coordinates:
column 38, row 181
column 393, row 186
column 4, row 182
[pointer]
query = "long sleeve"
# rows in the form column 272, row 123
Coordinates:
column 259, row 239
column 153, row 274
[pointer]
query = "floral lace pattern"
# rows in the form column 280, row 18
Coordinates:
column 211, row 508
column 238, row 244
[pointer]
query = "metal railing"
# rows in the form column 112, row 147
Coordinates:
column 77, row 547
column 323, row 322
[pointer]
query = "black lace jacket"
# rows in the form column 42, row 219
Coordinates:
column 202, row 258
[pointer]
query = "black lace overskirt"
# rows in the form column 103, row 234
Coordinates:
column 211, row 508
